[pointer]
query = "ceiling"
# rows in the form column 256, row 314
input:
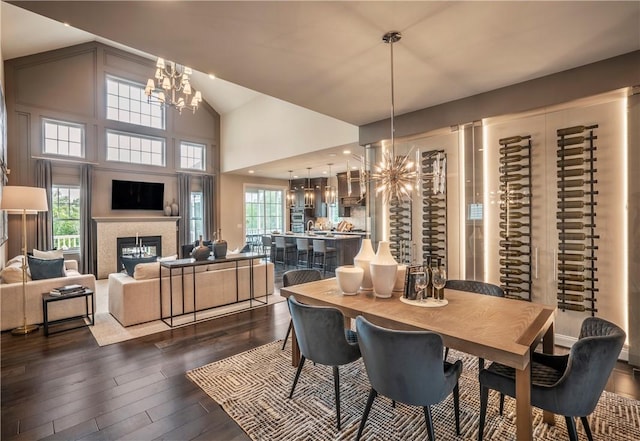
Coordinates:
column 329, row 57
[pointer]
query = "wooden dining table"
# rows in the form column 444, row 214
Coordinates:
column 494, row 328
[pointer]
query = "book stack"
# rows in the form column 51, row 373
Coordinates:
column 409, row 282
column 66, row 290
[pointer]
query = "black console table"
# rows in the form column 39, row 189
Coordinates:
column 181, row 264
column 47, row 299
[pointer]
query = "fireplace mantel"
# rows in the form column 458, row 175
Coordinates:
column 109, row 228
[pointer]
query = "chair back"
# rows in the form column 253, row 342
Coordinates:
column 186, row 250
column 488, row 289
column 266, row 241
column 280, row 242
column 591, row 360
column 298, row 276
column 321, row 334
column 406, row 366
column 302, row 244
column 319, row 246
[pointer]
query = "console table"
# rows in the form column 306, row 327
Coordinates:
column 48, row 299
column 181, row 264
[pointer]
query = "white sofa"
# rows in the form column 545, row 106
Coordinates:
column 11, row 295
column 136, row 299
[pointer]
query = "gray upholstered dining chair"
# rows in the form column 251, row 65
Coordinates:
column 568, row 385
column 296, row 277
column 488, row 289
column 323, row 339
column 407, row 366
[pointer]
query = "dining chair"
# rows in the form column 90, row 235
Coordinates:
column 297, row 277
column 488, row 289
column 323, row 339
column 407, row 366
column 568, row 385
column 266, row 245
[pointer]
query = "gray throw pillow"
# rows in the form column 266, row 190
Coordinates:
column 131, row 262
column 45, row 268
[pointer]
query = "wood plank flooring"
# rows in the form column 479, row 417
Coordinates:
column 66, row 387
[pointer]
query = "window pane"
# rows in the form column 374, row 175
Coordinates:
column 56, row 136
column 134, row 148
column 66, row 217
column 127, row 102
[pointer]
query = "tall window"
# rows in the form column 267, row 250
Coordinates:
column 196, row 224
column 62, row 138
column 127, row 102
column 66, row 217
column 264, row 210
column 135, row 149
column 192, row 155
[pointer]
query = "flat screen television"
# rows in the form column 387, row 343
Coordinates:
column 132, row 195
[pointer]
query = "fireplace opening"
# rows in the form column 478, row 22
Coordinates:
column 137, row 246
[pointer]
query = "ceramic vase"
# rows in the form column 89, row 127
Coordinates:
column 201, row 252
column 349, row 278
column 400, row 278
column 383, row 270
column 219, row 247
column 167, row 209
column 174, row 208
column 362, row 260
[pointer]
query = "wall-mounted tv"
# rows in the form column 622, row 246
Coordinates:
column 132, row 195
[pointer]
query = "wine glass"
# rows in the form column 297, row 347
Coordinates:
column 439, row 275
column 420, row 283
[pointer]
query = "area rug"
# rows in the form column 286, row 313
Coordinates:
column 107, row 330
column 252, row 387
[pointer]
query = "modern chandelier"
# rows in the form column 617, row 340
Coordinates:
column 171, row 86
column 394, row 176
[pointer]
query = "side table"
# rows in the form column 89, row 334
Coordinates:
column 47, row 299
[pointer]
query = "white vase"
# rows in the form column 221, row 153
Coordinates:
column 383, row 270
column 349, row 278
column 362, row 260
column 400, row 278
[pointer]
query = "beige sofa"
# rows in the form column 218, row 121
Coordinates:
column 11, row 295
column 134, row 300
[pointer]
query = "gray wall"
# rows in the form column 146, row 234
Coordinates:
column 69, row 84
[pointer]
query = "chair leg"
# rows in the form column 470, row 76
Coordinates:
column 501, row 403
column 336, row 385
column 295, row 380
column 571, row 428
column 446, row 353
column 480, row 364
column 456, row 407
column 429, row 420
column 286, row 337
column 484, row 398
column 367, row 409
column 585, row 424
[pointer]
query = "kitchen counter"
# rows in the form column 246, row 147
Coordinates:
column 347, row 245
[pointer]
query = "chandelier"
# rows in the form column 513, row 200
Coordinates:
column 308, row 191
column 171, row 86
column 330, row 194
column 394, row 176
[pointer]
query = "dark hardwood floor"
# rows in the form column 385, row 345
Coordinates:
column 66, row 387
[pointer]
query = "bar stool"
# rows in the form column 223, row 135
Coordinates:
column 320, row 249
column 266, row 246
column 285, row 248
column 304, row 249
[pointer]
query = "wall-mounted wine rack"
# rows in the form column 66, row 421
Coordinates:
column 434, row 206
column 515, row 216
column 576, row 215
column 400, row 234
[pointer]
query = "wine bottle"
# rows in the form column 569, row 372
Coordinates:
column 432, row 208
column 513, row 224
column 574, row 307
column 431, row 240
column 571, row 287
column 570, row 267
column 432, row 225
column 509, row 288
column 575, row 247
column 576, row 277
column 574, row 130
column 574, row 204
column 513, row 243
column 512, row 262
column 515, row 280
column 570, row 297
column 574, row 151
column 572, row 214
column 511, row 253
column 574, row 257
column 513, row 196
column 432, row 232
column 512, row 168
column 513, row 178
column 430, row 248
column 513, row 233
column 572, row 172
column 576, row 183
column 512, row 215
column 570, row 141
column 510, row 140
column 513, row 272
column 573, row 225
column 515, row 205
column 513, row 186
column 510, row 149
column 511, row 159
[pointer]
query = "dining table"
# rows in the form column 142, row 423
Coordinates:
column 495, row 328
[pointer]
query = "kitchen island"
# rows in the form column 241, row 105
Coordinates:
column 346, row 245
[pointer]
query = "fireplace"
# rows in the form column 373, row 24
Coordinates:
column 139, row 246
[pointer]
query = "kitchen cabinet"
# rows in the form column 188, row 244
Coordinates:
column 346, row 201
column 319, row 202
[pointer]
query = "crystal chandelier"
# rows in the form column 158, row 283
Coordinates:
column 171, row 86
column 394, row 176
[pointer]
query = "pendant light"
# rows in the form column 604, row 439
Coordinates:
column 308, row 191
column 330, row 190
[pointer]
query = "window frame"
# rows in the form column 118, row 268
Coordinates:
column 193, row 233
column 142, row 101
column 265, row 214
column 55, row 188
column 68, row 124
column 138, row 136
column 203, row 158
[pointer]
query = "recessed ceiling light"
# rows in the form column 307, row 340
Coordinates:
column 251, row 171
column 67, row 24
column 354, row 167
column 295, row 176
column 212, row 76
column 332, row 154
column 346, row 152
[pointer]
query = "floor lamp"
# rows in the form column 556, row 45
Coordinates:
column 24, row 200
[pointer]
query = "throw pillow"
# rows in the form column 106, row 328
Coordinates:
column 53, row 254
column 45, row 268
column 131, row 262
column 168, row 258
column 12, row 273
column 144, row 271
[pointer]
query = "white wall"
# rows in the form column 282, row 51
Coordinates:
column 271, row 129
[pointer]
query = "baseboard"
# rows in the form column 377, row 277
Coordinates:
column 566, row 342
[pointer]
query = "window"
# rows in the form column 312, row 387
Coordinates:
column 196, row 225
column 135, row 149
column 192, row 155
column 66, row 217
column 63, row 138
column 127, row 102
column 264, row 211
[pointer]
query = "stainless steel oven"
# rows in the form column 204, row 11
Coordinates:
column 297, row 217
column 297, row 227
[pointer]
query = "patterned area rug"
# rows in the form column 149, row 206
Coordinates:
column 252, row 387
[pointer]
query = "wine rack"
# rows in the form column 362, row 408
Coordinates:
column 515, row 216
column 434, row 207
column 576, row 219
column 400, row 234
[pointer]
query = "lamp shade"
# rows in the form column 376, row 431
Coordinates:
column 17, row 198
